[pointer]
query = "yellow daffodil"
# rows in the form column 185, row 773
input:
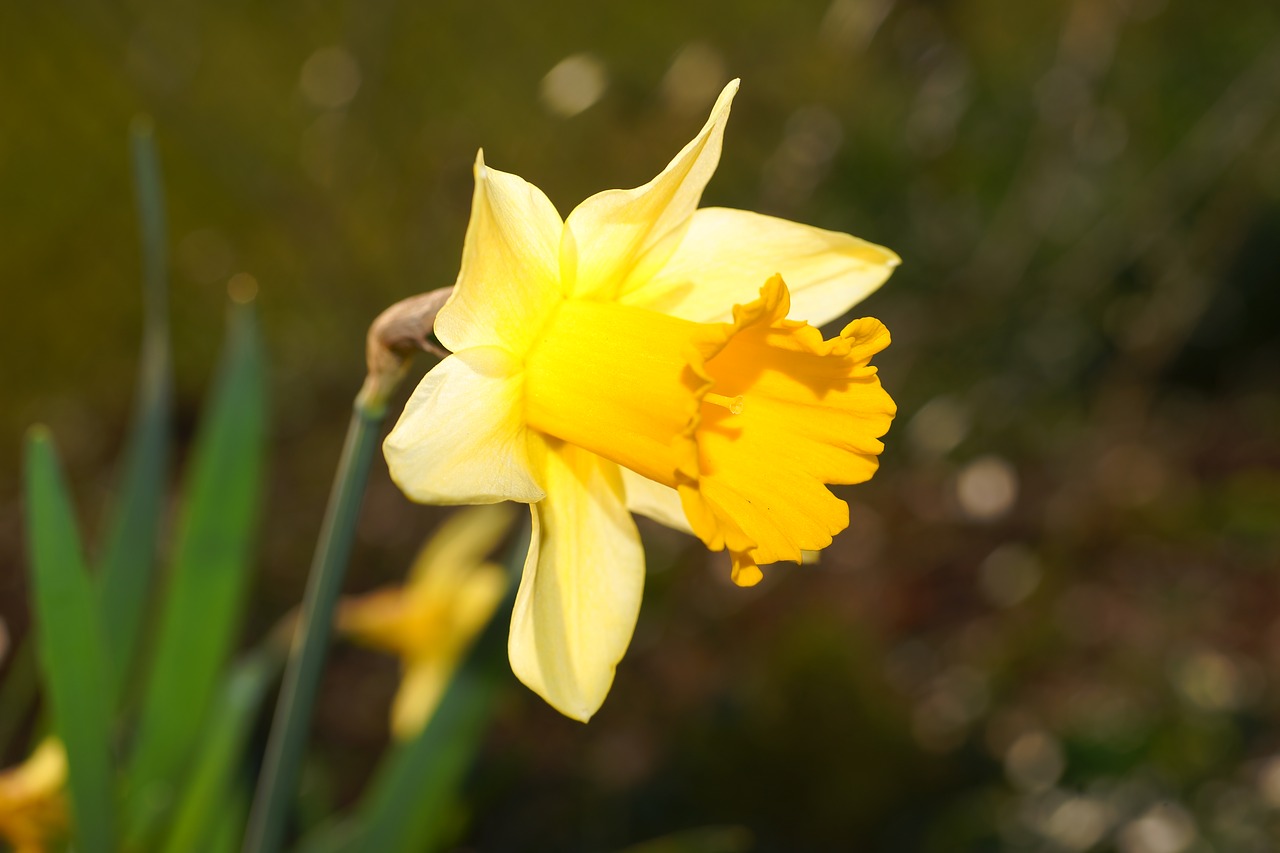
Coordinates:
column 432, row 620
column 637, row 356
column 33, row 807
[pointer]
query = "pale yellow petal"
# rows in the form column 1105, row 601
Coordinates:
column 654, row 500
column 580, row 593
column 509, row 280
column 726, row 256
column 461, row 437
column 461, row 543
column 380, row 619
column 618, row 238
column 41, row 776
column 455, row 616
column 421, row 688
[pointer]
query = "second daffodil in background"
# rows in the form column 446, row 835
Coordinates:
column 33, row 806
column 640, row 356
column 431, row 621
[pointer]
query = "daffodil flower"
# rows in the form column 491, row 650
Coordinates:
column 431, row 621
column 33, row 807
column 637, row 356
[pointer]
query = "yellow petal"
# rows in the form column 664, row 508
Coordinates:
column 381, row 619
column 421, row 687
column 750, row 420
column 580, row 593
column 460, row 544
column 41, row 776
column 726, row 254
column 461, row 437
column 33, row 807
column 509, row 280
column 619, row 236
column 452, row 619
column 654, row 500
column 812, row 415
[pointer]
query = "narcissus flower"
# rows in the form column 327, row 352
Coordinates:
column 33, row 807
column 431, row 621
column 638, row 356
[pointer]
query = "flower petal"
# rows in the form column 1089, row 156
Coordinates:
column 654, row 500
column 510, row 275
column 727, row 254
column 621, row 236
column 460, row 544
column 580, row 593
column 461, row 437
column 456, row 616
column 809, row 412
column 421, row 686
column 381, row 619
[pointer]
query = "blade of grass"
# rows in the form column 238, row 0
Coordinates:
column 212, row 554
column 69, row 641
column 128, row 559
column 210, row 790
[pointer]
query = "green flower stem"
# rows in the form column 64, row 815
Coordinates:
column 289, row 728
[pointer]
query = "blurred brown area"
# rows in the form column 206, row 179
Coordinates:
column 1052, row 624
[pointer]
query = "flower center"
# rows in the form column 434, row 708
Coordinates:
column 733, row 404
column 617, row 381
column 667, row 398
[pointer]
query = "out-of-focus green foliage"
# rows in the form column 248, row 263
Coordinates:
column 200, row 613
column 128, row 556
column 70, row 640
column 212, row 799
column 82, row 662
column 1052, row 622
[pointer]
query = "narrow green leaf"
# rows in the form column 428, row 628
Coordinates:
column 127, row 561
column 213, row 544
column 210, row 789
column 408, row 808
column 69, row 641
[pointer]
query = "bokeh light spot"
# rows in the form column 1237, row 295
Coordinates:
column 696, row 75
column 1034, row 762
column 987, row 488
column 573, row 85
column 1166, row 828
column 330, row 78
column 1009, row 575
column 939, row 426
column 242, row 288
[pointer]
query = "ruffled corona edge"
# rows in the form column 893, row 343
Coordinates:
column 845, row 445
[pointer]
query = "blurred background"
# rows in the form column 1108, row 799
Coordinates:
column 1053, row 622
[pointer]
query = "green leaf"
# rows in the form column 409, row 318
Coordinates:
column 128, row 559
column 408, row 807
column 69, row 641
column 213, row 549
column 210, row 791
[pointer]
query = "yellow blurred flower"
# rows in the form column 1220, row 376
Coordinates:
column 431, row 621
column 628, row 358
column 33, row 807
